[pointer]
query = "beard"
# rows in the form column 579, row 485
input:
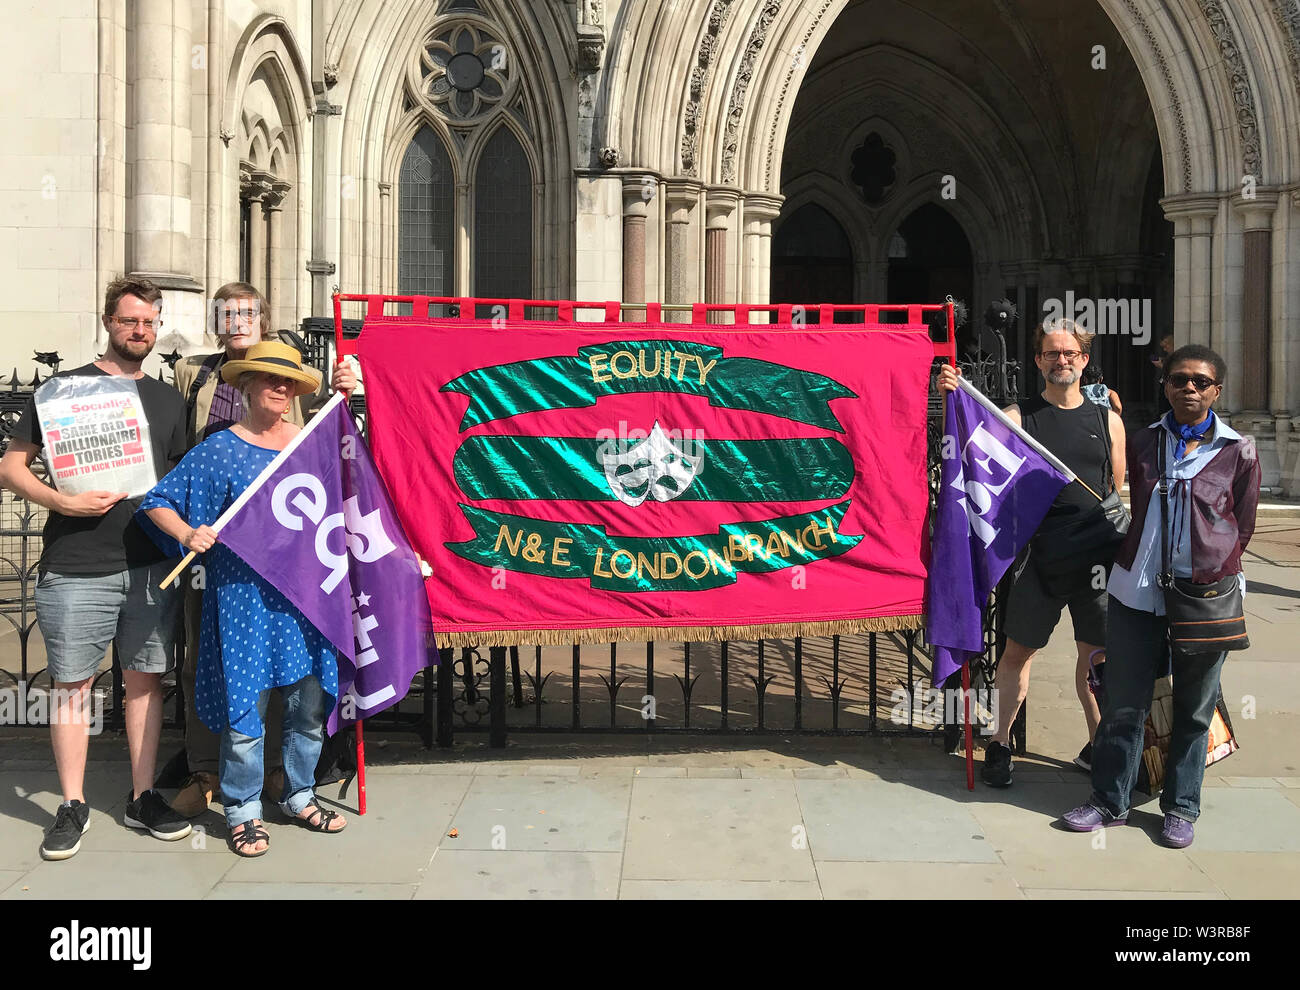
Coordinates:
column 1067, row 377
column 130, row 350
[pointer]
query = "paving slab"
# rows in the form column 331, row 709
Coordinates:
column 1021, row 826
column 9, row 877
column 1247, row 875
column 911, row 881
column 512, row 874
column 1251, row 782
column 658, row 771
column 91, row 876
column 864, row 820
column 716, row 830
column 1049, row 894
column 719, row 890
column 393, row 843
column 1248, row 820
column 254, row 891
column 29, row 800
column 572, row 814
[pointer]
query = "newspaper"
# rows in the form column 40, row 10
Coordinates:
column 96, row 435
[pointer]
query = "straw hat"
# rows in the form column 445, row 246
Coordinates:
column 273, row 358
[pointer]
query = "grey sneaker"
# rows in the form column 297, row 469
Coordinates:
column 63, row 838
column 997, row 765
column 154, row 815
column 1084, row 760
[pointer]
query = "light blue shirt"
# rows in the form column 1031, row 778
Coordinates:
column 1138, row 588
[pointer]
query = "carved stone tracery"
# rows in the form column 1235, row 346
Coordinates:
column 718, row 14
column 795, row 65
column 736, row 106
column 1243, row 97
column 1175, row 105
column 1287, row 15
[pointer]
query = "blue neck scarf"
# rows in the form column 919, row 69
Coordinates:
column 1185, row 433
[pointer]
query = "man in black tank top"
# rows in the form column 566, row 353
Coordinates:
column 1090, row 439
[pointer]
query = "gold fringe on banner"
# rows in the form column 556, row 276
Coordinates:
column 678, row 634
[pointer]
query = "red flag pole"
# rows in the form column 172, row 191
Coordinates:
column 360, row 771
column 361, row 739
column 970, row 744
column 950, row 352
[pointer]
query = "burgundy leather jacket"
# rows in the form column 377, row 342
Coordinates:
column 1224, row 497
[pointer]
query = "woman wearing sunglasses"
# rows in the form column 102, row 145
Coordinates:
column 1211, row 492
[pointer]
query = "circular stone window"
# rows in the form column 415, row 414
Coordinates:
column 465, row 70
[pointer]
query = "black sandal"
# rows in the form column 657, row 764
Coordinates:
column 243, row 836
column 321, row 824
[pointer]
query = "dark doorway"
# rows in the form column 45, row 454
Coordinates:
column 812, row 261
column 930, row 259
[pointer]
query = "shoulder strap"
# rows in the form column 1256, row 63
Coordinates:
column 204, row 373
column 1162, row 484
column 1104, row 413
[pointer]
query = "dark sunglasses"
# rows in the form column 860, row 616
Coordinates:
column 1180, row 380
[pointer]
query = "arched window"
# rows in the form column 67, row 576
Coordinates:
column 426, row 206
column 503, row 220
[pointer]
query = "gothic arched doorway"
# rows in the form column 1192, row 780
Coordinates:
column 812, row 260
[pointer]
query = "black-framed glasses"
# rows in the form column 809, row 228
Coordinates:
column 1070, row 356
column 131, row 322
column 1180, row 380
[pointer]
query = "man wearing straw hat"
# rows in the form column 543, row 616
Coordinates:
column 239, row 317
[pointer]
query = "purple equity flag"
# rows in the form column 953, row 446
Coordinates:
column 319, row 525
column 997, row 485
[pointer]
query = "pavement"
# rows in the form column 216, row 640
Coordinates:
column 676, row 816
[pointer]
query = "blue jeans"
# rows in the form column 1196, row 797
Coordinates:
column 241, row 768
column 1136, row 654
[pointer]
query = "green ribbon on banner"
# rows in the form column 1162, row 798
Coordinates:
column 654, row 563
column 621, row 367
column 803, row 469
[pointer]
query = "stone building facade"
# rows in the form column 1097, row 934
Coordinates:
column 1110, row 152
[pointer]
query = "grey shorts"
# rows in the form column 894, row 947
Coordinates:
column 1032, row 613
column 81, row 614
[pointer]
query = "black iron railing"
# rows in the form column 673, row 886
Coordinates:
column 842, row 685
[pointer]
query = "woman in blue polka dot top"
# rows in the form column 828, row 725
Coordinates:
column 251, row 638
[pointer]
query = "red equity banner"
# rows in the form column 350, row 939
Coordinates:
column 604, row 482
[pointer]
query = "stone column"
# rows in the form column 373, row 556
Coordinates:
column 272, row 204
column 635, row 210
column 1193, row 219
column 681, row 283
column 1256, row 315
column 462, row 226
column 386, row 263
column 256, row 192
column 719, row 206
column 757, row 283
column 161, row 143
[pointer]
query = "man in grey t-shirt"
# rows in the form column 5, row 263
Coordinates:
column 98, row 584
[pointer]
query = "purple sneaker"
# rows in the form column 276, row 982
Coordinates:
column 1086, row 818
column 1176, row 833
